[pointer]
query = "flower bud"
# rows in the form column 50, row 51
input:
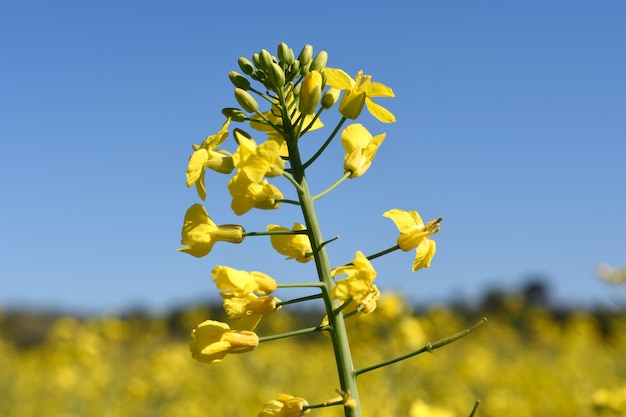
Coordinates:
column 246, row 101
column 239, row 80
column 265, row 59
column 235, row 114
column 256, row 59
column 329, row 98
column 277, row 76
column 310, row 93
column 285, row 54
column 319, row 61
column 245, row 65
column 305, row 55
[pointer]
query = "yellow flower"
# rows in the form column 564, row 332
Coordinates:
column 296, row 246
column 205, row 156
column 358, row 92
column 415, row 235
column 247, row 195
column 259, row 161
column 360, row 149
column 358, row 284
column 200, row 232
column 241, row 283
column 285, row 406
column 248, row 187
column 213, row 340
column 248, row 310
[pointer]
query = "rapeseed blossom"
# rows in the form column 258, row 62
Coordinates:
column 285, row 406
column 358, row 284
column 241, row 283
column 200, row 232
column 360, row 149
column 294, row 246
column 213, row 340
column 415, row 235
column 359, row 92
column 205, row 156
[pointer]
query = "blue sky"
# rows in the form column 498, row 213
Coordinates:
column 511, row 125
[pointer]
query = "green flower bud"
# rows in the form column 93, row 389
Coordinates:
column 285, row 54
column 245, row 65
column 239, row 80
column 235, row 114
column 319, row 61
column 256, row 59
column 265, row 59
column 246, row 101
column 305, row 55
column 310, row 93
column 277, row 76
column 330, row 97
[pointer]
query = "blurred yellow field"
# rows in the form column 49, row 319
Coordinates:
column 523, row 362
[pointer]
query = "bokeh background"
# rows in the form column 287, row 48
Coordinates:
column 510, row 125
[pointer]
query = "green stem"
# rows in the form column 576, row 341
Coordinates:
column 383, row 252
column 299, row 300
column 332, row 187
column 428, row 348
column 293, row 333
column 330, row 138
column 275, row 232
column 336, row 324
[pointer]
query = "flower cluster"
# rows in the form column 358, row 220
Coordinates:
column 297, row 91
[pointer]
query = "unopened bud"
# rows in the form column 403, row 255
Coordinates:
column 310, row 93
column 256, row 59
column 265, row 59
column 277, row 76
column 239, row 80
column 330, row 97
column 246, row 101
column 285, row 54
column 320, row 61
column 235, row 114
column 245, row 65
column 305, row 55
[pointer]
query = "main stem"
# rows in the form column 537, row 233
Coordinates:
column 336, row 323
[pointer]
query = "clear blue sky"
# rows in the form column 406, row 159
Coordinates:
column 511, row 125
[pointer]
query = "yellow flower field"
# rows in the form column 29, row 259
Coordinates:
column 523, row 362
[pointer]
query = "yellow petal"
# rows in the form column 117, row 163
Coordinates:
column 379, row 111
column 195, row 168
column 338, row 78
column 406, row 221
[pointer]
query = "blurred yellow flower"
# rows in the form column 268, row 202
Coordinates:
column 360, row 149
column 296, row 246
column 358, row 284
column 420, row 409
column 205, row 156
column 200, row 232
column 241, row 283
column 213, row 340
column 359, row 92
column 285, row 406
column 415, row 235
column 612, row 275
